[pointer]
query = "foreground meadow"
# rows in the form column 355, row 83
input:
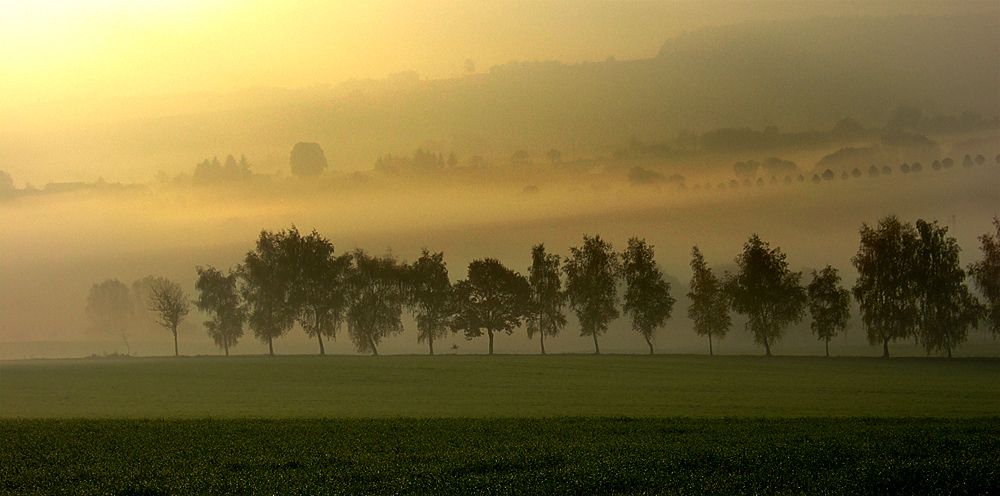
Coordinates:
column 569, row 424
column 501, row 456
column 498, row 386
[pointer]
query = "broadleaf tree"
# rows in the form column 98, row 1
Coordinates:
column 709, row 309
column 766, row 292
column 170, row 304
column 375, row 300
column 946, row 307
column 986, row 275
column 886, row 289
column 647, row 294
column 492, row 298
column 268, row 277
column 546, row 317
column 431, row 297
column 319, row 288
column 110, row 309
column 829, row 305
column 592, row 286
column 219, row 296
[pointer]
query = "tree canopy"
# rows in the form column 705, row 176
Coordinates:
column 268, row 275
column 168, row 300
column 709, row 307
column 946, row 306
column 592, row 286
column 219, row 296
column 493, row 298
column 647, row 295
column 885, row 289
column 986, row 275
column 546, row 317
column 766, row 292
column 109, row 309
column 375, row 301
column 829, row 305
column 431, row 297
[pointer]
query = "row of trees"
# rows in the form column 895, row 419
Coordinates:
column 910, row 285
column 290, row 277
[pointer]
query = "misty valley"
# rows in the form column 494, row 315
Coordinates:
column 492, row 247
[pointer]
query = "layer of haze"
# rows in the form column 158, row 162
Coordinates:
column 132, row 91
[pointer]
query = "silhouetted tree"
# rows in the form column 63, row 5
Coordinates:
column 307, row 159
column 856, row 173
column 493, row 297
column 828, row 175
column 916, row 167
column 873, row 171
column 375, row 302
column 947, row 163
column 547, row 298
column 886, row 170
column 885, row 288
column 905, row 168
column 766, row 292
column 947, row 308
column 268, row 277
column 452, row 160
column 218, row 295
column 168, row 301
column 431, row 297
column 647, row 295
column 986, row 274
column 109, row 309
column 592, row 286
column 980, row 159
column 319, row 287
column 829, row 305
column 709, row 307
column 967, row 161
column 936, row 165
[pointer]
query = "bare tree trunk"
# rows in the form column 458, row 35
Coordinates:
column 767, row 348
column 828, row 348
column 885, row 348
column 319, row 337
column 947, row 342
column 541, row 339
column 597, row 348
column 430, row 341
column 371, row 342
column 175, row 340
column 650, row 343
column 225, row 345
column 710, row 345
column 490, row 332
column 270, row 346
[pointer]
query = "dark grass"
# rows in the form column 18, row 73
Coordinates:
column 502, row 456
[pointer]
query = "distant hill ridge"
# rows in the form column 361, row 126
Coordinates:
column 793, row 74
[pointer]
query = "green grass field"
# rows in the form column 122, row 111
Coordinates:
column 500, row 425
column 500, row 456
column 498, row 386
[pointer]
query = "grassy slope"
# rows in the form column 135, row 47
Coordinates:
column 499, row 386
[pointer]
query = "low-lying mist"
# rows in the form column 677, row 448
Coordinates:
column 54, row 247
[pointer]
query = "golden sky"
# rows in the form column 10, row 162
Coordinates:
column 59, row 49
